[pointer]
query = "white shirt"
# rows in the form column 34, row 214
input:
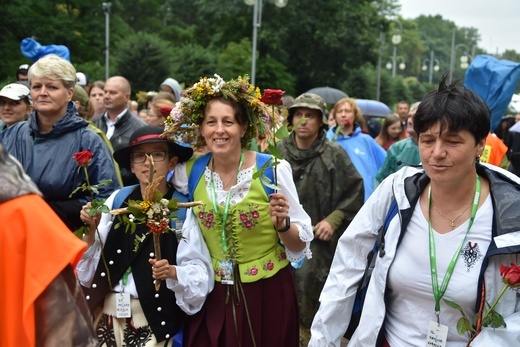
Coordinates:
column 111, row 126
column 410, row 291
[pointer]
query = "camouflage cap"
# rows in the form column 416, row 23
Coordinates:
column 312, row 101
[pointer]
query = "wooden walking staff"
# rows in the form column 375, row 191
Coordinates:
column 150, row 196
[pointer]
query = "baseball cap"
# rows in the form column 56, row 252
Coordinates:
column 312, row 101
column 81, row 79
column 23, row 68
column 16, row 91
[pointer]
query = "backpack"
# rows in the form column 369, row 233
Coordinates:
column 379, row 247
column 200, row 165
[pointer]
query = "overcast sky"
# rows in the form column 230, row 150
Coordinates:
column 497, row 21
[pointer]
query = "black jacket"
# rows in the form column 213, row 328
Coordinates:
column 124, row 128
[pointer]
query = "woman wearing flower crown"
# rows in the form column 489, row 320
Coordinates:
column 252, row 234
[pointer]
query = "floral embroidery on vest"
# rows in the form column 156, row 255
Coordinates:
column 249, row 218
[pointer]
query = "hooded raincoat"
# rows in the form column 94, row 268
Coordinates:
column 47, row 159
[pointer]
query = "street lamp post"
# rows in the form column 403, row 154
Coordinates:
column 106, row 8
column 454, row 48
column 257, row 22
column 380, row 55
column 392, row 65
column 396, row 40
column 435, row 67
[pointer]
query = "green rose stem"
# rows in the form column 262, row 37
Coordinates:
column 105, row 264
column 338, row 129
column 274, row 144
column 156, row 236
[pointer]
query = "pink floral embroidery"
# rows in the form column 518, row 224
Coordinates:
column 269, row 266
column 250, row 218
column 282, row 256
column 253, row 271
column 207, row 218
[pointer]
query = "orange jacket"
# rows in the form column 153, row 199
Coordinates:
column 35, row 246
column 494, row 151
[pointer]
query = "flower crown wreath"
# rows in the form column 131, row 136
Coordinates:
column 185, row 118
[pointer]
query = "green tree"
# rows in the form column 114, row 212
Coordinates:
column 144, row 59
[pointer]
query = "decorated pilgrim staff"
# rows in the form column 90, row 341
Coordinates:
column 252, row 233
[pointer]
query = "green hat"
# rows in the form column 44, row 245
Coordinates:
column 309, row 100
column 80, row 95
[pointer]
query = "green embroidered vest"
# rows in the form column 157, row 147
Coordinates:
column 252, row 241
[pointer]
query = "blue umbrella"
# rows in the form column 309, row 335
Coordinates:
column 373, row 108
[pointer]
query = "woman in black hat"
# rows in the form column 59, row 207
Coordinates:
column 155, row 317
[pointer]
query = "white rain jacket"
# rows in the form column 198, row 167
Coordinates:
column 406, row 185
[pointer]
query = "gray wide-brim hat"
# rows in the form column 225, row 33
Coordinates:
column 150, row 134
column 309, row 100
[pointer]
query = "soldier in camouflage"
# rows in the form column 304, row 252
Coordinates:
column 330, row 190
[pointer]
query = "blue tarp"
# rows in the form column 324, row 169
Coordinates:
column 495, row 81
column 33, row 50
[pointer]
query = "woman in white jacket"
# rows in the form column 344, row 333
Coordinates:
column 457, row 223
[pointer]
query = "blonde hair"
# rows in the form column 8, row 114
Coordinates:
column 358, row 116
column 55, row 68
column 157, row 104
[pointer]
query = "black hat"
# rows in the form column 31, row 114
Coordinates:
column 150, row 134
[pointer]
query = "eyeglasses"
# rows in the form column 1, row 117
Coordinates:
column 140, row 157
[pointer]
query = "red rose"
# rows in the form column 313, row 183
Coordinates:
column 283, row 256
column 269, row 266
column 165, row 111
column 211, row 216
column 255, row 214
column 248, row 224
column 253, row 271
column 347, row 123
column 201, row 215
column 272, row 96
column 511, row 275
column 83, row 157
column 243, row 217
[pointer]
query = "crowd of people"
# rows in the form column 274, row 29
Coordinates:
column 271, row 246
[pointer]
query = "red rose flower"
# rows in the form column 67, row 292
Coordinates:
column 83, row 157
column 165, row 111
column 269, row 266
column 211, row 216
column 255, row 214
column 201, row 215
column 248, row 224
column 243, row 217
column 347, row 123
column 511, row 275
column 272, row 96
column 283, row 256
column 208, row 224
column 253, row 271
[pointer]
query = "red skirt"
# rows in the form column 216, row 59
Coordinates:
column 232, row 315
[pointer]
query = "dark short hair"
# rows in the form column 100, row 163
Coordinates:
column 456, row 108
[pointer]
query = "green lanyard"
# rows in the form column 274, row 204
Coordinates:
column 223, row 218
column 438, row 293
column 125, row 276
